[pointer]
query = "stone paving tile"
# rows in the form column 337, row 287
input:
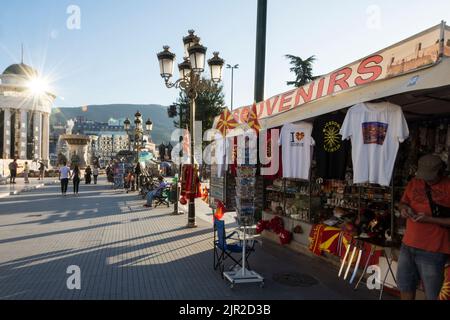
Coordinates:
column 127, row 252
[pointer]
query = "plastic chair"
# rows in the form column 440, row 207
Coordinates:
column 224, row 250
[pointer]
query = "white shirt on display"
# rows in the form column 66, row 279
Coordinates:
column 297, row 143
column 376, row 131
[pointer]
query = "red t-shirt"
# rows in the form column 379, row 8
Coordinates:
column 427, row 236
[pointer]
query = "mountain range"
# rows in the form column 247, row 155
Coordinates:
column 162, row 124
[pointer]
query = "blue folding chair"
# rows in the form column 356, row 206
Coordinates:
column 224, row 250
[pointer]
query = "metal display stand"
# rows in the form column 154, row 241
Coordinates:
column 245, row 203
column 243, row 275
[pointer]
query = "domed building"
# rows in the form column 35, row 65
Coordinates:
column 25, row 107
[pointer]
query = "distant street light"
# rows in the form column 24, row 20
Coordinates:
column 229, row 66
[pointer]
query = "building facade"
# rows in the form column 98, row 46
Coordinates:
column 24, row 115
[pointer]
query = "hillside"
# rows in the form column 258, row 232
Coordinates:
column 162, row 124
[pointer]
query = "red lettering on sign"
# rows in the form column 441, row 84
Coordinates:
column 271, row 108
column 301, row 93
column 261, row 109
column 286, row 101
column 320, row 88
column 339, row 78
column 374, row 70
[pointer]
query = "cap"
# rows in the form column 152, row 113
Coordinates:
column 429, row 167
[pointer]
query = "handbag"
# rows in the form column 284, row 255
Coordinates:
column 437, row 210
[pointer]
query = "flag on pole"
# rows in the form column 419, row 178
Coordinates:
column 253, row 121
column 226, row 122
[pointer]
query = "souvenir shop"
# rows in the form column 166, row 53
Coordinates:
column 349, row 143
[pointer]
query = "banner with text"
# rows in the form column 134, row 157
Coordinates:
column 417, row 52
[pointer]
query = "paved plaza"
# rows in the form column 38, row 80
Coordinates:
column 125, row 251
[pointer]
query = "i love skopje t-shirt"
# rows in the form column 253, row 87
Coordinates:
column 297, row 143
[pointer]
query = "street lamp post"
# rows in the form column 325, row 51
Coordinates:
column 138, row 134
column 173, row 112
column 229, row 66
column 191, row 83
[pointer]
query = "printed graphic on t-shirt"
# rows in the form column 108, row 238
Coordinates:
column 297, row 138
column 331, row 137
column 374, row 132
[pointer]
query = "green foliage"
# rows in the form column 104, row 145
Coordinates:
column 209, row 104
column 302, row 69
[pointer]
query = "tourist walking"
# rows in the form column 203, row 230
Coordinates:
column 95, row 173
column 64, row 173
column 13, row 171
column 41, row 170
column 137, row 178
column 76, row 176
column 26, row 172
column 88, row 175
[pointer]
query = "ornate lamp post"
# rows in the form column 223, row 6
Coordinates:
column 138, row 133
column 127, row 124
column 191, row 83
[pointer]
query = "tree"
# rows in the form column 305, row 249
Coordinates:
column 303, row 70
column 209, row 104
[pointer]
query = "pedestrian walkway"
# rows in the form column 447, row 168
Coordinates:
column 125, row 251
column 7, row 189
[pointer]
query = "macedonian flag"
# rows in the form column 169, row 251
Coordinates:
column 445, row 292
column 226, row 122
column 253, row 121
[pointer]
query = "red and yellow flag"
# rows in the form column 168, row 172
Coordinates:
column 253, row 121
column 226, row 122
column 445, row 292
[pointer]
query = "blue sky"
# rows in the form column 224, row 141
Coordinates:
column 112, row 58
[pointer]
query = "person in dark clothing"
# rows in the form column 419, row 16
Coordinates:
column 137, row 178
column 13, row 171
column 88, row 175
column 76, row 179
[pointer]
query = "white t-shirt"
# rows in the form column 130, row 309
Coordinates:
column 376, row 130
column 297, row 145
column 64, row 171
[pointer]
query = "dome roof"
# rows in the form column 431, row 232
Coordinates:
column 20, row 70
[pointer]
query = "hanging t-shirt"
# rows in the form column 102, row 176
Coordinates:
column 331, row 152
column 376, row 130
column 297, row 143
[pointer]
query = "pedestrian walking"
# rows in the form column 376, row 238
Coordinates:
column 137, row 178
column 13, row 171
column 41, row 170
column 76, row 177
column 26, row 172
column 88, row 175
column 64, row 173
column 95, row 172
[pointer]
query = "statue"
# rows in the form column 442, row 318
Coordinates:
column 69, row 127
